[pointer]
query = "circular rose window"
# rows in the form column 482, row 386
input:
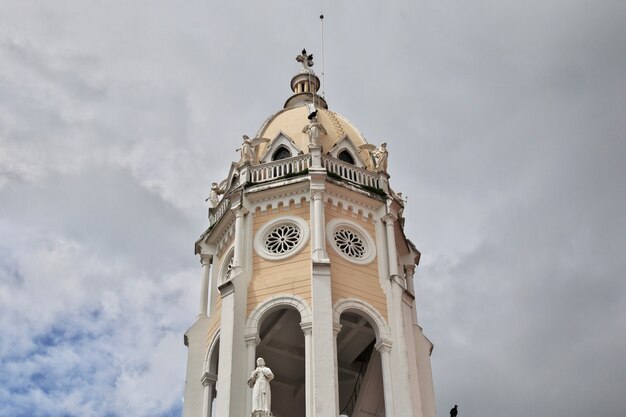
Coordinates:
column 281, row 238
column 351, row 241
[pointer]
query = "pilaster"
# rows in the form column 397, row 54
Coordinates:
column 307, row 329
column 324, row 372
column 208, row 382
column 206, row 261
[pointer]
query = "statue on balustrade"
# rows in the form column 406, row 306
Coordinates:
column 314, row 129
column 379, row 155
column 248, row 149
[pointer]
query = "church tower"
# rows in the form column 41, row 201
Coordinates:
column 305, row 263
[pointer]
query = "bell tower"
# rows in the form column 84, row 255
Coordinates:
column 305, row 264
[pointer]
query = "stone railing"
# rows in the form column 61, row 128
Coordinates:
column 215, row 214
column 278, row 169
column 350, row 173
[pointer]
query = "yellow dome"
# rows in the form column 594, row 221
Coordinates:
column 292, row 120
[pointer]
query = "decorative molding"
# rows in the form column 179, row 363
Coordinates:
column 252, row 340
column 226, row 289
column 206, row 259
column 225, row 262
column 208, row 378
column 381, row 329
column 213, row 344
column 272, row 303
column 356, row 207
column 275, row 201
column 281, row 139
column 383, row 345
column 307, row 328
column 228, row 234
column 346, row 144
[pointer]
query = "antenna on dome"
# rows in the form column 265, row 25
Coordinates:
column 322, row 52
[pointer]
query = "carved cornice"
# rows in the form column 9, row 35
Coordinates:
column 208, row 378
column 383, row 345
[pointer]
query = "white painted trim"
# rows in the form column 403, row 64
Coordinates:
column 224, row 264
column 381, row 329
column 280, row 140
column 261, row 235
column 369, row 243
column 273, row 303
column 346, row 144
column 209, row 353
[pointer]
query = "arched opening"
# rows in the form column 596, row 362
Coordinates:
column 359, row 368
column 346, row 156
column 283, row 348
column 209, row 378
column 281, row 153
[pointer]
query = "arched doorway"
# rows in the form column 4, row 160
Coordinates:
column 359, row 368
column 282, row 345
column 209, row 378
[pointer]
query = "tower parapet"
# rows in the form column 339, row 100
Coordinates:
column 305, row 263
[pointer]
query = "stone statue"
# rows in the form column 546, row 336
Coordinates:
column 214, row 196
column 248, row 149
column 216, row 191
column 260, row 383
column 305, row 60
column 378, row 154
column 314, row 129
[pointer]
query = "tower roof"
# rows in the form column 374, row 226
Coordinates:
column 291, row 120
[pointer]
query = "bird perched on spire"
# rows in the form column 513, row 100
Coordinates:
column 454, row 411
column 305, row 60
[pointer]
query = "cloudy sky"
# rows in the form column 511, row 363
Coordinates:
column 506, row 124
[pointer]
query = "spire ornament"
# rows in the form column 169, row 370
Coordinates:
column 305, row 60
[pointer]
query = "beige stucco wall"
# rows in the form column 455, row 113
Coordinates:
column 287, row 276
column 214, row 320
column 354, row 280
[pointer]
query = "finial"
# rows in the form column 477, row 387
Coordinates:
column 305, row 60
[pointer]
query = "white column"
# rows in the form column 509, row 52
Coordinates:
column 336, row 329
column 208, row 382
column 391, row 246
column 307, row 329
column 240, row 212
column 225, row 400
column 383, row 347
column 400, row 360
column 410, row 273
column 324, row 372
column 206, row 261
column 319, row 247
column 252, row 342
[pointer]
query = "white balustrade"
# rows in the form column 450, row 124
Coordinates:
column 278, row 169
column 350, row 172
column 219, row 211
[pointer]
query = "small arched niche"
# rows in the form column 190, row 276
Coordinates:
column 346, row 156
column 281, row 153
